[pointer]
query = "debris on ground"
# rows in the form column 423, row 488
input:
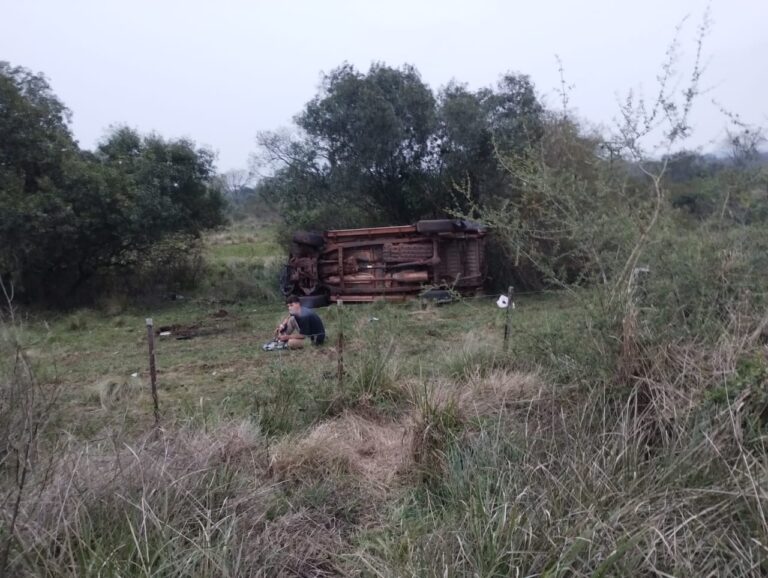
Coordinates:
column 199, row 328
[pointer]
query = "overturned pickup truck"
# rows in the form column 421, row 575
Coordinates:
column 385, row 263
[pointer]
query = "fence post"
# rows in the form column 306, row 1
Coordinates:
column 152, row 369
column 340, row 347
column 507, row 319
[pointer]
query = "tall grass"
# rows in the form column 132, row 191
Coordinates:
column 588, row 487
column 187, row 504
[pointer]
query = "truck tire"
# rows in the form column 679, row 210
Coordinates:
column 471, row 226
column 315, row 301
column 303, row 250
column 438, row 226
column 448, row 226
column 311, row 239
column 438, row 296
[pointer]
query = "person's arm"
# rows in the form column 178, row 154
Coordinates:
column 283, row 325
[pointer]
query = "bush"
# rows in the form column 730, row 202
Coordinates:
column 172, row 265
column 70, row 216
column 700, row 277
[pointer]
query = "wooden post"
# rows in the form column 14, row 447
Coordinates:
column 340, row 347
column 153, row 369
column 507, row 319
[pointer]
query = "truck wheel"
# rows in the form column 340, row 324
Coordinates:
column 311, row 239
column 437, row 296
column 438, row 226
column 472, row 227
column 315, row 301
column 303, row 250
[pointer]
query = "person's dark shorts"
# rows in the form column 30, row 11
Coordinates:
column 318, row 339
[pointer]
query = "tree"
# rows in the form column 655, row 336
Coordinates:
column 34, row 136
column 36, row 151
column 467, row 155
column 366, row 138
column 236, row 186
column 476, row 129
column 172, row 183
column 67, row 215
column 379, row 148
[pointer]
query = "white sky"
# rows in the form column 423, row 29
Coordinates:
column 218, row 71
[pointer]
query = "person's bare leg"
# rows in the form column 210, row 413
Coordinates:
column 295, row 344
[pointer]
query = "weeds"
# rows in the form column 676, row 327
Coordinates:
column 373, row 374
column 282, row 408
column 584, row 495
column 478, row 354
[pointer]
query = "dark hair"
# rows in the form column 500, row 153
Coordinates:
column 292, row 299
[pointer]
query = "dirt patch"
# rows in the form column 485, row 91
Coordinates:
column 222, row 323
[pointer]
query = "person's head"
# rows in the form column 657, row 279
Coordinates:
column 294, row 305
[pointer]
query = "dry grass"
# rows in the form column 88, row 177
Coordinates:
column 375, row 451
column 114, row 391
column 349, row 445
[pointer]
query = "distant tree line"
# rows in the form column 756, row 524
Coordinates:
column 71, row 218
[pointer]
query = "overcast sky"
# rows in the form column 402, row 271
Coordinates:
column 220, row 71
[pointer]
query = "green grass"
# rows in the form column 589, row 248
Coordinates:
column 244, row 241
column 225, row 368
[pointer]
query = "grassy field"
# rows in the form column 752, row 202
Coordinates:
column 246, row 240
column 213, row 359
column 440, row 452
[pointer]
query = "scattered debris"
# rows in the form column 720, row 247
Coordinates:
column 274, row 345
column 180, row 331
column 199, row 328
column 504, row 301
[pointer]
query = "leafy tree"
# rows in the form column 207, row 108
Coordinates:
column 379, row 148
column 467, row 154
column 36, row 150
column 33, row 124
column 515, row 114
column 69, row 215
column 366, row 139
column 374, row 132
column 173, row 183
column 477, row 129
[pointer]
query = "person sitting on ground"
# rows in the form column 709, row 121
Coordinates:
column 302, row 323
